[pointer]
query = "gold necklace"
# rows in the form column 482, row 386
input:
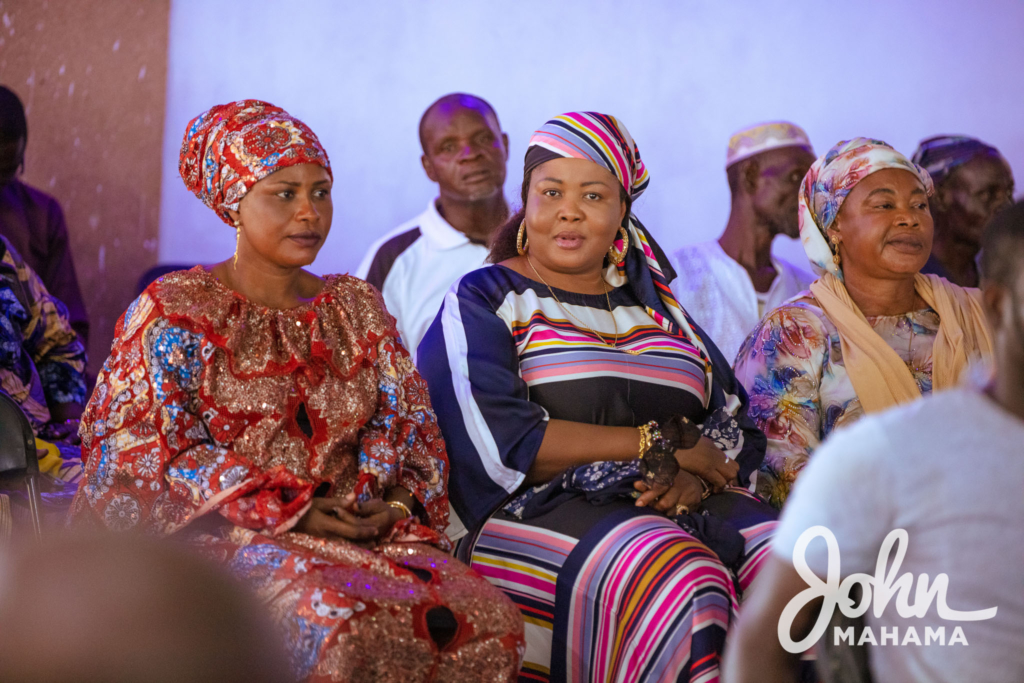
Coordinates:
column 580, row 322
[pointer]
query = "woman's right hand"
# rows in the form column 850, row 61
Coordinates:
column 685, row 490
column 707, row 461
column 320, row 520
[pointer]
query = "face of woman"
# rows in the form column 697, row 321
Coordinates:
column 286, row 216
column 884, row 226
column 573, row 213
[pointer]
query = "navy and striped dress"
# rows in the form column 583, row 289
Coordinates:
column 607, row 590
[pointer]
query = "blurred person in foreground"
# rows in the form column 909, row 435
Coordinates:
column 728, row 284
column 972, row 182
column 129, row 609
column 872, row 332
column 947, row 469
column 465, row 153
column 33, row 221
column 273, row 418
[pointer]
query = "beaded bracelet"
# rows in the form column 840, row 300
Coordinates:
column 649, row 433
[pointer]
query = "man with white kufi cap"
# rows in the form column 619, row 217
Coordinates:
column 728, row 284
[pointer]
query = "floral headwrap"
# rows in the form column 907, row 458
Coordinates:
column 830, row 180
column 604, row 140
column 942, row 154
column 231, row 147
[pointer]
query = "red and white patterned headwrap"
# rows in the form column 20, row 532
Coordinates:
column 231, row 147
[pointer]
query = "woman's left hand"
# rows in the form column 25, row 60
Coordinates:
column 685, row 491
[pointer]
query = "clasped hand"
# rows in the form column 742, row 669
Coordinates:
column 707, row 461
column 704, row 461
column 348, row 519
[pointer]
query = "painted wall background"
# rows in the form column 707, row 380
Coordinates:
column 682, row 74
column 109, row 89
column 92, row 76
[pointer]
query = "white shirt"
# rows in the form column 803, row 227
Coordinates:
column 719, row 295
column 948, row 469
column 414, row 265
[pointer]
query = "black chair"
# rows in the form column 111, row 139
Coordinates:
column 19, row 463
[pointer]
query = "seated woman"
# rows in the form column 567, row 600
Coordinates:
column 551, row 372
column 42, row 363
column 273, row 418
column 872, row 332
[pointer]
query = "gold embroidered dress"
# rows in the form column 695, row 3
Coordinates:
column 219, row 419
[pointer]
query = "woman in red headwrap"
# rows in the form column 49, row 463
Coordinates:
column 274, row 418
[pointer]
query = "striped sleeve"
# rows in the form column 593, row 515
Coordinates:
column 492, row 430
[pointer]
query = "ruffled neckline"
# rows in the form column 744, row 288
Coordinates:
column 336, row 332
column 227, row 291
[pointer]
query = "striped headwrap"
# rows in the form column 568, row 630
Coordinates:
column 604, row 140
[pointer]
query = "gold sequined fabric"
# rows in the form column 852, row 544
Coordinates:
column 211, row 401
column 355, row 615
column 221, row 419
column 338, row 327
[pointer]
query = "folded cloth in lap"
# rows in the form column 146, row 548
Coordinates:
column 715, row 523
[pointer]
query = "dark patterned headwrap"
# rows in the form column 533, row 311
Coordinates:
column 942, row 154
column 231, row 147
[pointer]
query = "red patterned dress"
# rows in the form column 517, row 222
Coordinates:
column 221, row 419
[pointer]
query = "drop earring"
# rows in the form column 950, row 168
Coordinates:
column 834, row 239
column 238, row 238
column 618, row 256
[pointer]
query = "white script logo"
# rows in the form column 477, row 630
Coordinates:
column 886, row 585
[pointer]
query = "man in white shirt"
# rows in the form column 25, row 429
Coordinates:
column 728, row 284
column 464, row 152
column 945, row 470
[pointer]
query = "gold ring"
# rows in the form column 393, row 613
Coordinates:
column 681, row 510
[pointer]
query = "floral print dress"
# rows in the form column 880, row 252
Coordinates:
column 219, row 420
column 792, row 367
column 42, row 359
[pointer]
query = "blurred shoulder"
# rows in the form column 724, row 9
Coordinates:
column 32, row 195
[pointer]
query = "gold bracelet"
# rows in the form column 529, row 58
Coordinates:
column 401, row 506
column 645, row 439
column 649, row 433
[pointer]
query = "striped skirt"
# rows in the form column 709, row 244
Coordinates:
column 616, row 592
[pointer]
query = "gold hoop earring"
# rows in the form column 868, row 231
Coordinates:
column 522, row 246
column 238, row 238
column 618, row 256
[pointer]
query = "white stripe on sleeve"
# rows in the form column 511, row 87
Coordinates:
column 479, row 433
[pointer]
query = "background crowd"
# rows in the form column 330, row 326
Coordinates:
column 522, row 440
